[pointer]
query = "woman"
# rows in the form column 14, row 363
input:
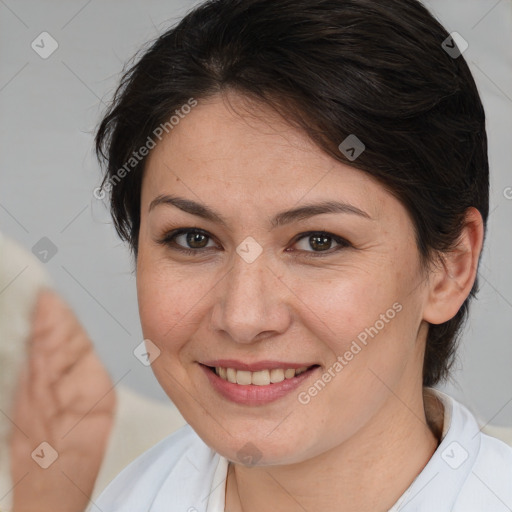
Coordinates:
column 304, row 188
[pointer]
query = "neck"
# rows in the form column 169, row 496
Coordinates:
column 368, row 472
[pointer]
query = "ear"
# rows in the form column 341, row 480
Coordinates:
column 450, row 284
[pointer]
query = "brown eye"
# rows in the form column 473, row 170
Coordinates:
column 190, row 241
column 320, row 242
column 196, row 240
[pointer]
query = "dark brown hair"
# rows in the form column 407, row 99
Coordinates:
column 375, row 69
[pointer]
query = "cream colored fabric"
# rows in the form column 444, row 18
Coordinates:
column 139, row 424
column 503, row 433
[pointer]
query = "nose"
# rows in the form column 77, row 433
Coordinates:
column 252, row 302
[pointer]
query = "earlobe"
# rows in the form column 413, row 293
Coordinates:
column 451, row 283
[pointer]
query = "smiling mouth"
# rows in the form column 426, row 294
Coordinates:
column 259, row 378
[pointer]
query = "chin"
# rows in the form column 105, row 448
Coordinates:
column 254, row 451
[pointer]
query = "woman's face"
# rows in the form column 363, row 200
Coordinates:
column 341, row 290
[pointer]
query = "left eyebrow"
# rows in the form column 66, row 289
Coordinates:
column 280, row 219
column 310, row 210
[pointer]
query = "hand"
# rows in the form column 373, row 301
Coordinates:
column 64, row 398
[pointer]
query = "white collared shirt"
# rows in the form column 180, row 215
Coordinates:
column 469, row 472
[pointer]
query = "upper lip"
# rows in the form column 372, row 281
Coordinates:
column 256, row 366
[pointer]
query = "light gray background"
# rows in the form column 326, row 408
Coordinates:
column 50, row 107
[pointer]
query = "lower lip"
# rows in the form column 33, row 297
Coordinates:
column 255, row 395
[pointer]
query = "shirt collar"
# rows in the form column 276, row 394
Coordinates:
column 444, row 474
column 441, row 480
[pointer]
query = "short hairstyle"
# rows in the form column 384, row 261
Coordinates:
column 379, row 70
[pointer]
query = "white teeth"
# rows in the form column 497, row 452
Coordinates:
column 276, row 375
column 259, row 378
column 231, row 375
column 289, row 373
column 243, row 377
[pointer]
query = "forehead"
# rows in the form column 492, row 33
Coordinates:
column 224, row 151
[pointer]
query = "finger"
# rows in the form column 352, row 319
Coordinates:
column 22, row 399
column 75, row 346
column 51, row 318
column 24, row 412
column 86, row 387
column 42, row 395
column 41, row 318
column 59, row 335
column 51, row 314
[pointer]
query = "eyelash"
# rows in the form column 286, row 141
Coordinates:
column 168, row 241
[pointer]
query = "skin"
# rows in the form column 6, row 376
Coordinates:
column 361, row 441
column 64, row 397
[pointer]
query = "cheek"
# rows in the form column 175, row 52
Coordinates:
column 366, row 328
column 169, row 309
column 345, row 306
column 169, row 303
column 367, row 323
